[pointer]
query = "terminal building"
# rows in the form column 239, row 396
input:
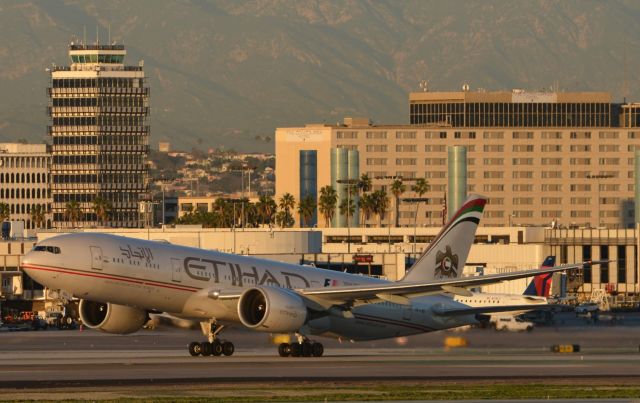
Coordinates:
column 99, row 110
column 24, row 183
column 556, row 159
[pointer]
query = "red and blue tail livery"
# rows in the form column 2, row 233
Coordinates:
column 541, row 284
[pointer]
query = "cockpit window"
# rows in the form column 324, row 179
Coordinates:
column 50, row 249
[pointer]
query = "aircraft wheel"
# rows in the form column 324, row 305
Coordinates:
column 317, row 349
column 195, row 349
column 296, row 349
column 284, row 349
column 216, row 348
column 306, row 349
column 228, row 348
column 207, row 348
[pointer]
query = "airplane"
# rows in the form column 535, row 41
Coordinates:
column 535, row 294
column 120, row 280
column 533, row 298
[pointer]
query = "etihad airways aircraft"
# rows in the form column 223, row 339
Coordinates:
column 120, row 280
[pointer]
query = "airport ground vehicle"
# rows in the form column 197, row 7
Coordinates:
column 25, row 320
column 512, row 323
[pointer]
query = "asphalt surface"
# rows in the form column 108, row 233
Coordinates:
column 74, row 357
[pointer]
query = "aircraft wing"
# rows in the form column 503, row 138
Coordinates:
column 400, row 292
column 442, row 311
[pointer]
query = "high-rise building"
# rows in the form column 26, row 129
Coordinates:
column 24, row 183
column 99, row 110
column 564, row 159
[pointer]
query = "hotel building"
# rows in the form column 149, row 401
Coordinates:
column 543, row 159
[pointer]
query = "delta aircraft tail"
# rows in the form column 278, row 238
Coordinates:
column 541, row 284
column 446, row 255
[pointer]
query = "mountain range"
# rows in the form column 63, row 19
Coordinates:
column 226, row 73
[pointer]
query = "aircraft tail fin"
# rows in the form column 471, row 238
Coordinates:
column 446, row 255
column 541, row 284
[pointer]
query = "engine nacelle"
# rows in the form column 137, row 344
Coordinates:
column 272, row 309
column 111, row 318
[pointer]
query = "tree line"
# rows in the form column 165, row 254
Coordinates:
column 227, row 213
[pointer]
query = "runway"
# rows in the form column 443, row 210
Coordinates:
column 160, row 356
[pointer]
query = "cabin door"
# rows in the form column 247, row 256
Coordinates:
column 96, row 257
column 176, row 270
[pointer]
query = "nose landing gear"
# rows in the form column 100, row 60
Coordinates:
column 213, row 346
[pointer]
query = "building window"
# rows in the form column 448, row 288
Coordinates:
column 622, row 264
column 405, row 135
column 377, row 148
column 406, row 148
column 376, row 135
column 493, row 148
column 376, row 161
column 347, row 135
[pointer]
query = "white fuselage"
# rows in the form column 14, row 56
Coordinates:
column 181, row 281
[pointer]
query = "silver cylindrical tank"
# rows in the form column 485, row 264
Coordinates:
column 457, row 187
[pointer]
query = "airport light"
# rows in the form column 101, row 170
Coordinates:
column 417, row 201
column 349, row 184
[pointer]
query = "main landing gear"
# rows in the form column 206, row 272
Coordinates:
column 212, row 346
column 303, row 348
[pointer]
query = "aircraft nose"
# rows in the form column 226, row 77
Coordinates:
column 29, row 259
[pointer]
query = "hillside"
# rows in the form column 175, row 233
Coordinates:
column 225, row 72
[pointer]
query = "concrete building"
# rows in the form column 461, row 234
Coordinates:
column 99, row 111
column 24, row 183
column 563, row 159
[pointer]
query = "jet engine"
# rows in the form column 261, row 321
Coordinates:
column 271, row 309
column 111, row 318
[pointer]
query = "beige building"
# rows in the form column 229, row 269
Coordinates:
column 24, row 182
column 560, row 159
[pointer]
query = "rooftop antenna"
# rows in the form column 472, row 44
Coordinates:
column 424, row 85
column 97, row 35
column 625, row 84
column 109, row 42
column 84, row 35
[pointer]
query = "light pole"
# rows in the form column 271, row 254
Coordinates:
column 417, row 201
column 349, row 184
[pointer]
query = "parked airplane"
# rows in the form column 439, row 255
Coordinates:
column 119, row 280
column 533, row 298
column 534, row 295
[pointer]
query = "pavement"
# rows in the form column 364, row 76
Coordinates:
column 89, row 357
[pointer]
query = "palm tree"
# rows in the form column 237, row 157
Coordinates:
column 347, row 208
column 286, row 204
column 37, row 215
column 221, row 207
column 5, row 212
column 266, row 209
column 102, row 208
column 306, row 209
column 366, row 207
column 365, row 183
column 327, row 204
column 72, row 212
column 397, row 189
column 420, row 188
column 251, row 214
column 380, row 204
